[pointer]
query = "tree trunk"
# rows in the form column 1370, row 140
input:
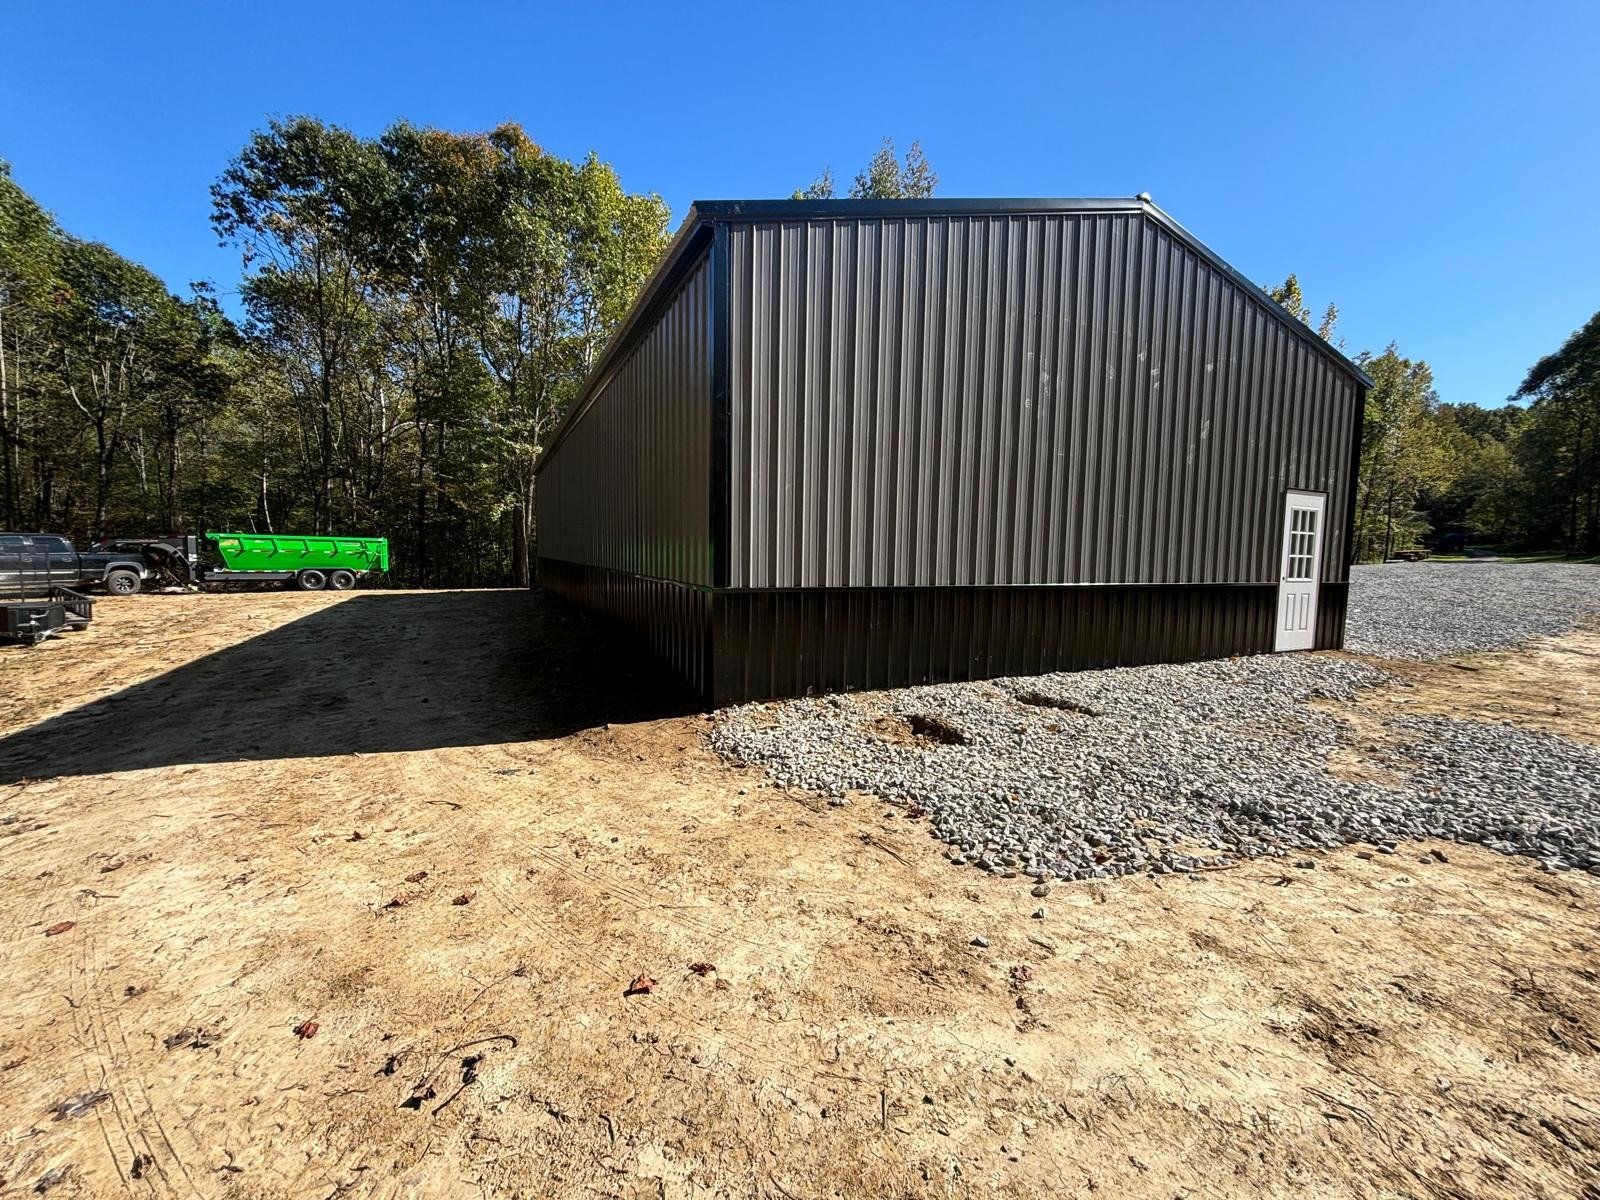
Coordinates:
column 1388, row 524
column 141, row 468
column 323, row 504
column 263, row 512
column 8, row 450
column 170, row 515
column 522, row 539
column 43, row 494
column 420, row 570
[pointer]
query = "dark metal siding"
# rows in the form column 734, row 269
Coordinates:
column 629, row 486
column 788, row 643
column 672, row 619
column 733, row 646
column 1053, row 398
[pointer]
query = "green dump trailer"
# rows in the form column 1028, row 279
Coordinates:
column 311, row 563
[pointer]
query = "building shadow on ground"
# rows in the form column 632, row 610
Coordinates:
column 379, row 672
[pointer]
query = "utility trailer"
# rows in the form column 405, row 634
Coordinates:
column 35, row 606
column 31, row 621
column 310, row 563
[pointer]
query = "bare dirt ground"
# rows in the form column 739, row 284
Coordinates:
column 449, row 829
column 1552, row 684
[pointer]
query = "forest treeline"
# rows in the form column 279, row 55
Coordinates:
column 418, row 309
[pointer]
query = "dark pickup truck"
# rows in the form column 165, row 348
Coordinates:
column 32, row 563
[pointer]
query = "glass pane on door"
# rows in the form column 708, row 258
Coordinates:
column 1302, row 544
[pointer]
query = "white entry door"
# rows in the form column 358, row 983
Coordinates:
column 1301, row 572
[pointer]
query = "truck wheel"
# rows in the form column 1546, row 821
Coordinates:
column 342, row 581
column 311, row 581
column 122, row 582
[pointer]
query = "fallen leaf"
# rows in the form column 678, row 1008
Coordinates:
column 51, row 1177
column 702, row 968
column 306, row 1029
column 424, row 1091
column 76, row 1106
column 356, row 836
column 416, row 877
column 111, row 866
column 642, row 985
column 1022, row 974
column 14, row 1063
column 197, row 1038
column 464, row 898
column 397, row 902
column 60, row 927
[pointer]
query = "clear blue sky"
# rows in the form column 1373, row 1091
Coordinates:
column 1433, row 168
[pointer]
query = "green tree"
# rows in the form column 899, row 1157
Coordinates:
column 820, row 188
column 30, row 246
column 1290, row 296
column 196, row 352
column 1405, row 453
column 1483, row 500
column 302, row 201
column 1559, row 449
column 428, row 303
column 122, row 339
column 885, row 177
column 1493, row 489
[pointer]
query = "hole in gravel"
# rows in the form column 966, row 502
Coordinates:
column 1040, row 700
column 936, row 729
column 919, row 727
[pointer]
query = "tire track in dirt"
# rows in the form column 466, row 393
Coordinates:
column 103, row 1073
column 281, row 1083
column 111, row 1022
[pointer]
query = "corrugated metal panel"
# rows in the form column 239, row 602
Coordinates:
column 1044, row 398
column 628, row 487
column 789, row 643
column 672, row 619
column 733, row 646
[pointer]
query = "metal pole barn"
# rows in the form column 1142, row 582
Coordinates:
column 846, row 444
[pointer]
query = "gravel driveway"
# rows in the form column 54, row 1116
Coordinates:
column 1173, row 768
column 1431, row 610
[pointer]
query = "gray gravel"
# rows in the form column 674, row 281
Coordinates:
column 1433, row 610
column 1174, row 768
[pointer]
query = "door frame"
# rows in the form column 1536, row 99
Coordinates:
column 1285, row 637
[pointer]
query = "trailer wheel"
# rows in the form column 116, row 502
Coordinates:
column 122, row 582
column 342, row 581
column 311, row 581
